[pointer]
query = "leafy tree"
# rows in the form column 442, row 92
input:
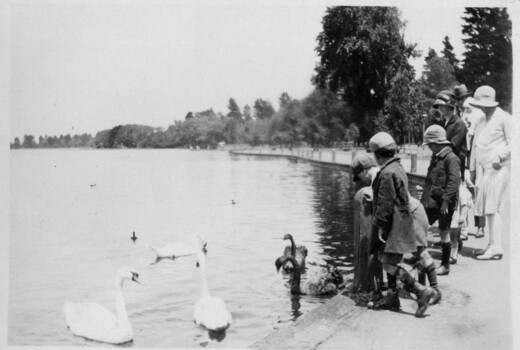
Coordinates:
column 288, row 124
column 284, row 99
column 438, row 75
column 230, row 130
column 263, row 109
column 28, row 141
column 42, row 142
column 352, row 133
column 431, row 54
column 189, row 115
column 247, row 113
column 402, row 113
column 17, row 144
column 488, row 59
column 234, row 110
column 361, row 49
column 327, row 117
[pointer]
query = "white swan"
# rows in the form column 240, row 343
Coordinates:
column 174, row 250
column 210, row 312
column 93, row 321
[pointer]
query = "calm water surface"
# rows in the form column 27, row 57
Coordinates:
column 72, row 213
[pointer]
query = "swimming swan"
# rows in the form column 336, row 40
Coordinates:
column 297, row 252
column 93, row 321
column 326, row 281
column 210, row 312
column 174, row 250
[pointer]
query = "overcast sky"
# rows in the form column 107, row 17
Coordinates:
column 83, row 67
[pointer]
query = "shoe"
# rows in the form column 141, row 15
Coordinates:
column 389, row 302
column 453, row 261
column 424, row 296
column 479, row 233
column 463, row 238
column 436, row 296
column 442, row 270
column 490, row 255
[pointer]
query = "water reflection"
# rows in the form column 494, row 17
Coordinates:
column 333, row 206
column 295, row 307
column 217, row 335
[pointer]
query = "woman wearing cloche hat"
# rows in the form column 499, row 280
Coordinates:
column 490, row 167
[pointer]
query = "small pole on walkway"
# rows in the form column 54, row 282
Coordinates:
column 353, row 156
column 333, row 156
column 414, row 163
column 319, row 155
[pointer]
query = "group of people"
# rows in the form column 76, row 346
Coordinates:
column 465, row 133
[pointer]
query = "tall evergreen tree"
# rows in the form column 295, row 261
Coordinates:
column 447, row 52
column 488, row 59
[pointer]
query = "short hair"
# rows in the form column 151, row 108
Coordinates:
column 387, row 151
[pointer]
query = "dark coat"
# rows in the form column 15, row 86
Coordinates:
column 456, row 131
column 367, row 267
column 390, row 210
column 442, row 180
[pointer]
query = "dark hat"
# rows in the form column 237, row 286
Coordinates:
column 461, row 91
column 446, row 98
column 360, row 163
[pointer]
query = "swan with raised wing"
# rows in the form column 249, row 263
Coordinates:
column 175, row 250
column 93, row 321
column 297, row 252
column 210, row 311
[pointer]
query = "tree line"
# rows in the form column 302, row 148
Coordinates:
column 363, row 84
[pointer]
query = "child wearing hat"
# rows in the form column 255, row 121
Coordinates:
column 368, row 272
column 441, row 190
column 393, row 227
column 364, row 170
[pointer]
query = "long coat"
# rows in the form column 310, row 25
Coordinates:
column 442, row 180
column 391, row 210
column 368, row 273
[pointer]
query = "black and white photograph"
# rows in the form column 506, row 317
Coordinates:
column 259, row 174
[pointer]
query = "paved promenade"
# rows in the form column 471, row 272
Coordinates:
column 342, row 157
column 477, row 310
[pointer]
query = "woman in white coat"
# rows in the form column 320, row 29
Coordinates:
column 490, row 167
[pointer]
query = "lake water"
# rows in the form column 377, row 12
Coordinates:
column 72, row 213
